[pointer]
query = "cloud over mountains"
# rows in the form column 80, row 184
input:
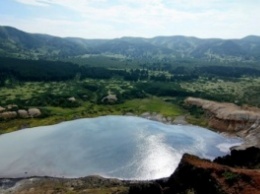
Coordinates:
column 117, row 18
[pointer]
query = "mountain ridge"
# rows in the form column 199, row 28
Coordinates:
column 20, row 44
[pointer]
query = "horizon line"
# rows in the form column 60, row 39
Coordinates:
column 157, row 36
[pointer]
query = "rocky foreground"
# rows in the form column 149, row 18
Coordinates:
column 233, row 174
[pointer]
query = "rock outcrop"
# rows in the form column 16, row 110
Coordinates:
column 228, row 117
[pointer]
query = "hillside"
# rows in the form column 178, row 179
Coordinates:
column 16, row 43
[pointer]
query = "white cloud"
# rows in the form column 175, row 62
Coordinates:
column 34, row 2
column 115, row 18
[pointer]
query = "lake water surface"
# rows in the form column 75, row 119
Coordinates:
column 112, row 146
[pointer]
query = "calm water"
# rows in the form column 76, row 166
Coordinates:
column 110, row 146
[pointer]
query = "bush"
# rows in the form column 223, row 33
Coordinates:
column 231, row 177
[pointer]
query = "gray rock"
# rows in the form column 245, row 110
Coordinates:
column 2, row 109
column 8, row 115
column 34, row 112
column 72, row 99
column 23, row 113
column 111, row 98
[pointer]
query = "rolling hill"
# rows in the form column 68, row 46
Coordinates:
column 19, row 44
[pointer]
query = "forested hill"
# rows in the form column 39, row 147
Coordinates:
column 16, row 43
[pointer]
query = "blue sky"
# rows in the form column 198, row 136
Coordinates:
column 142, row 18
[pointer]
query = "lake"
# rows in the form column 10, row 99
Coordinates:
column 123, row 147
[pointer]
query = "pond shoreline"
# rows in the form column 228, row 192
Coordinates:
column 182, row 179
column 179, row 120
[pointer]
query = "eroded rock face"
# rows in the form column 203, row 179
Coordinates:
column 227, row 116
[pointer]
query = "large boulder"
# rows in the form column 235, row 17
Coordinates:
column 8, row 115
column 23, row 113
column 2, row 109
column 34, row 112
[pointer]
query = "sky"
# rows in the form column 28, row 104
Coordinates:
column 135, row 18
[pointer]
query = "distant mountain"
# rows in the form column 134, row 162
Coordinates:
column 20, row 44
column 16, row 43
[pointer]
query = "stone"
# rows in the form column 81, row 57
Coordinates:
column 8, row 115
column 34, row 112
column 2, row 109
column 111, row 98
column 72, row 99
column 23, row 113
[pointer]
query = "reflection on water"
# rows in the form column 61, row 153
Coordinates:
column 111, row 146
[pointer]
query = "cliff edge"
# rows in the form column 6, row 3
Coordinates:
column 243, row 121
